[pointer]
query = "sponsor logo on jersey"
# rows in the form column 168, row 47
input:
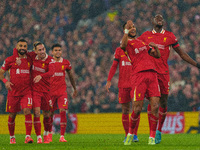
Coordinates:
column 38, row 69
column 123, row 55
column 126, row 63
column 22, row 71
column 160, row 46
column 58, row 74
column 150, row 37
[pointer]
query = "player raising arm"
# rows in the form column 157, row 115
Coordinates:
column 19, row 89
column 58, row 88
column 144, row 79
column 164, row 40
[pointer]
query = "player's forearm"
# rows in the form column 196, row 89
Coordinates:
column 71, row 78
column 112, row 70
column 124, row 41
column 157, row 55
column 188, row 59
column 50, row 71
column 2, row 78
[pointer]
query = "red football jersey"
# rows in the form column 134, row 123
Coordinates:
column 46, row 69
column 164, row 40
column 57, row 82
column 125, row 69
column 20, row 75
column 138, row 53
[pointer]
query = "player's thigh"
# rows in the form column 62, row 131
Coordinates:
column 139, row 87
column 153, row 89
column 26, row 101
column 37, row 97
column 164, row 83
column 124, row 95
column 54, row 99
column 13, row 104
column 46, row 102
column 63, row 101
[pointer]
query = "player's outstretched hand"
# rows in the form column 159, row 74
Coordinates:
column 74, row 94
column 37, row 78
column 8, row 85
column 108, row 85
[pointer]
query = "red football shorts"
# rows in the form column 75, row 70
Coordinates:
column 164, row 83
column 59, row 100
column 124, row 95
column 17, row 103
column 42, row 100
column 145, row 83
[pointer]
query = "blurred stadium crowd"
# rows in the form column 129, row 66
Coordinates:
column 90, row 31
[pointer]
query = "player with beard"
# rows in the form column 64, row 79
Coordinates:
column 144, row 79
column 42, row 70
column 58, row 89
column 19, row 89
column 164, row 40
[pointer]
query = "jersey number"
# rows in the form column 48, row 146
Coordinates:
column 30, row 101
column 65, row 101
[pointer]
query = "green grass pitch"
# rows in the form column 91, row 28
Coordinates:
column 104, row 142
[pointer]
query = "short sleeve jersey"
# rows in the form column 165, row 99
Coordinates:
column 125, row 68
column 20, row 75
column 57, row 82
column 138, row 53
column 164, row 40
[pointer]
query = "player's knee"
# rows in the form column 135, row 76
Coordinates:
column 62, row 109
column 27, row 111
column 12, row 115
column 138, row 110
column 46, row 114
column 37, row 113
column 155, row 107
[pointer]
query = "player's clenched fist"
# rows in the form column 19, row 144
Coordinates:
column 129, row 24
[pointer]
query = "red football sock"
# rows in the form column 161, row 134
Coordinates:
column 46, row 122
column 63, row 122
column 153, row 126
column 133, row 121
column 28, row 124
column 149, row 115
column 162, row 116
column 37, row 125
column 11, row 125
column 125, row 122
column 136, row 126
